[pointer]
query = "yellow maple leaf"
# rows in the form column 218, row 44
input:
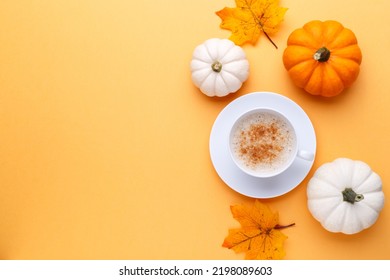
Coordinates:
column 259, row 236
column 250, row 18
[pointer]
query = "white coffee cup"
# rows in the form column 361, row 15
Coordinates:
column 263, row 143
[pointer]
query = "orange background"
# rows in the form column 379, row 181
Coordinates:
column 104, row 138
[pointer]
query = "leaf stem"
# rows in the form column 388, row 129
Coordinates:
column 269, row 38
column 282, row 227
column 260, row 24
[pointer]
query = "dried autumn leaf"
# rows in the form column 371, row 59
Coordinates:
column 259, row 236
column 251, row 18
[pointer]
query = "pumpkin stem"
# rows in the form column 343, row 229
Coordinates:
column 216, row 66
column 322, row 54
column 350, row 196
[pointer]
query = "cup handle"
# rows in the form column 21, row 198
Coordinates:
column 306, row 155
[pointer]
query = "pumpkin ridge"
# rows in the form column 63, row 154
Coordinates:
column 302, row 37
column 357, row 220
column 309, row 75
column 345, row 220
column 328, row 182
column 224, row 81
column 205, row 77
column 330, row 214
column 370, row 207
column 362, row 183
column 335, row 36
column 208, row 54
column 221, row 57
column 202, row 59
column 233, row 75
column 320, row 82
column 352, row 73
column 336, row 88
column 325, row 197
column 212, row 59
column 346, row 38
column 216, row 89
column 302, row 44
column 339, row 74
column 316, row 37
column 358, row 60
column 233, row 61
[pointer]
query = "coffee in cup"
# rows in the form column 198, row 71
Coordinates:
column 263, row 142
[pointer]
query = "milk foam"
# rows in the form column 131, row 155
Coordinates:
column 285, row 138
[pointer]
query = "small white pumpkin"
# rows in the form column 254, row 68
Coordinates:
column 219, row 67
column 345, row 196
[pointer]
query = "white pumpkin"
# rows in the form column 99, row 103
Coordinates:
column 345, row 196
column 219, row 67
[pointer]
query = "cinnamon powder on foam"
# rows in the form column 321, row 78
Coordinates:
column 261, row 143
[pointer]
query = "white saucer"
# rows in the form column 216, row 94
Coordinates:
column 242, row 182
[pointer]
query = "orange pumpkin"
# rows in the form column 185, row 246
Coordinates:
column 323, row 58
